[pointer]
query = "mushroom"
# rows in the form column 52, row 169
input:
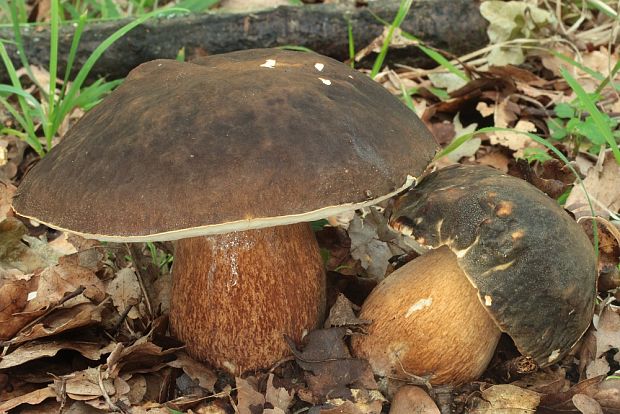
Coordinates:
column 231, row 155
column 506, row 258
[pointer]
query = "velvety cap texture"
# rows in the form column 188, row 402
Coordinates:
column 229, row 142
column 533, row 266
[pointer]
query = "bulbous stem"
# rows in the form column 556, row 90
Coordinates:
column 236, row 295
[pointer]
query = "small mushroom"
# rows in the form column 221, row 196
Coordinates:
column 505, row 258
column 231, row 155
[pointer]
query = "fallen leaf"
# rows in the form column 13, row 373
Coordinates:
column 506, row 398
column 60, row 321
column 249, row 400
column 197, row 371
column 279, row 397
column 331, row 371
column 7, row 191
column 602, row 187
column 554, row 180
column 586, row 405
column 14, row 253
column 32, row 398
column 40, row 349
column 509, row 20
column 341, row 314
column 125, row 292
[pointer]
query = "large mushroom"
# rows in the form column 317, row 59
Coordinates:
column 505, row 258
column 231, row 155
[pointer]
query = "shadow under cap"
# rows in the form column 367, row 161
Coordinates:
column 253, row 138
column 533, row 266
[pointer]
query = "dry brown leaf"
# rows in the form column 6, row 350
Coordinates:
column 125, row 292
column 137, row 389
column 506, row 398
column 411, row 399
column 7, row 191
column 349, row 407
column 341, row 314
column 39, row 349
column 14, row 295
column 545, row 381
column 331, row 371
column 249, row 400
column 143, row 356
column 586, row 405
column 61, row 320
column 14, row 254
column 32, row 398
column 197, row 371
column 56, row 282
column 602, row 187
column 84, row 385
column 495, row 159
column 279, row 398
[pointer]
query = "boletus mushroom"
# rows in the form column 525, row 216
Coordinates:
column 505, row 258
column 231, row 155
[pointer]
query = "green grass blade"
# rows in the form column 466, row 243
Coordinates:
column 407, row 97
column 18, row 86
column 596, row 75
column 431, row 53
column 19, row 43
column 26, row 96
column 403, row 9
column 53, row 72
column 77, row 35
column 443, row 62
column 67, row 103
column 351, row 43
column 29, row 139
column 197, row 5
column 599, row 119
column 609, row 78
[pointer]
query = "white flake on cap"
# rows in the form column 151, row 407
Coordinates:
column 319, row 66
column 326, row 81
column 419, row 305
column 269, row 63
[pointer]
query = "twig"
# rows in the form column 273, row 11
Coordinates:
column 141, row 281
column 113, row 407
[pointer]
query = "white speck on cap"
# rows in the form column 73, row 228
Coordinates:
column 32, row 295
column 419, row 305
column 326, row 81
column 269, row 63
column 319, row 66
column 488, row 301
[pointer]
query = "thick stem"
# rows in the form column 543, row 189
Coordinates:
column 236, row 295
column 427, row 319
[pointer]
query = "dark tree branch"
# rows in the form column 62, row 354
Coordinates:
column 452, row 25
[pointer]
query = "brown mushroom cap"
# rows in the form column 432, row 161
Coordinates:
column 229, row 142
column 533, row 266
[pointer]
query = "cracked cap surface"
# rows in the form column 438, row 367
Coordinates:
column 229, row 142
column 533, row 266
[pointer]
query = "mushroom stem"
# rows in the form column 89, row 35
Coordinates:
column 236, row 295
column 427, row 320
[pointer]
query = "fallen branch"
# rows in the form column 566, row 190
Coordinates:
column 452, row 25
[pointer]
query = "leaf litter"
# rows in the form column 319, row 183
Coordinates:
column 83, row 328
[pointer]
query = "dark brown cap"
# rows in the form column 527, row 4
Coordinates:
column 229, row 142
column 533, row 266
